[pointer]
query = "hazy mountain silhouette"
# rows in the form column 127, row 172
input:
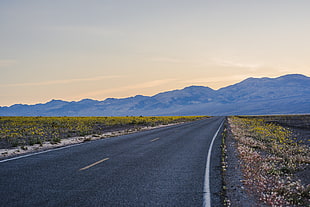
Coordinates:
column 289, row 94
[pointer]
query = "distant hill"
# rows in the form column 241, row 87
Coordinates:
column 289, row 94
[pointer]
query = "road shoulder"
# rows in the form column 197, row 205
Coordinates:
column 22, row 150
column 235, row 193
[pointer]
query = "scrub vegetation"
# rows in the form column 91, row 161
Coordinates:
column 22, row 131
column 274, row 161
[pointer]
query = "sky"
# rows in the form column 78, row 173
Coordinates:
column 77, row 49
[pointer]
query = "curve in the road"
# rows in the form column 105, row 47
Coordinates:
column 160, row 167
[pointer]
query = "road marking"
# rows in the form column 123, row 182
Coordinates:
column 96, row 163
column 206, row 187
column 37, row 153
column 46, row 151
column 153, row 140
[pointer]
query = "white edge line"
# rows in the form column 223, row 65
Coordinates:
column 49, row 150
column 37, row 153
column 64, row 147
column 206, row 187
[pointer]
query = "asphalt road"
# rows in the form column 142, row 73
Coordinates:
column 160, row 167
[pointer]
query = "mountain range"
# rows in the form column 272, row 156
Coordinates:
column 289, row 94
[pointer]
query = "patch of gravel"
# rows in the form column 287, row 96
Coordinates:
column 236, row 193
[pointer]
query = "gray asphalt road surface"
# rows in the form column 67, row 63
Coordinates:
column 160, row 167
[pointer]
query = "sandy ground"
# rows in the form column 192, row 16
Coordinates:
column 5, row 153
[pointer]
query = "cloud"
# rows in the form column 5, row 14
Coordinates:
column 149, row 84
column 215, row 79
column 6, row 63
column 235, row 64
column 54, row 82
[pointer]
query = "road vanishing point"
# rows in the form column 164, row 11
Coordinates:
column 177, row 165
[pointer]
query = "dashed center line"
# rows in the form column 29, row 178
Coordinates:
column 155, row 139
column 96, row 163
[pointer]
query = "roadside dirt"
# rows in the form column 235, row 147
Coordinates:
column 235, row 191
column 11, row 152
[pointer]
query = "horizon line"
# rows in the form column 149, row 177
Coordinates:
column 79, row 100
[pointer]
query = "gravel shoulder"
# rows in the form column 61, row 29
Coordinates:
column 235, row 192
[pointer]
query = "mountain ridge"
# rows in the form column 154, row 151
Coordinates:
column 254, row 96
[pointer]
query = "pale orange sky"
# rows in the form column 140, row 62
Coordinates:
column 72, row 50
